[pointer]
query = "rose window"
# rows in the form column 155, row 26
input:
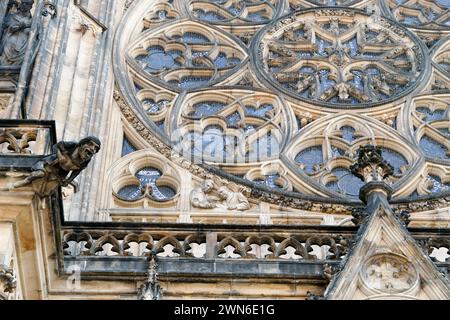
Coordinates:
column 344, row 59
column 279, row 95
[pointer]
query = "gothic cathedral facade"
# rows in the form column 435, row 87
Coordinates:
column 246, row 149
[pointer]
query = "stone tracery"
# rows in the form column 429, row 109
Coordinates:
column 339, row 57
column 234, row 12
column 186, row 56
column 334, row 58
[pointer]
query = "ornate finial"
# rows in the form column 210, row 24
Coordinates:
column 150, row 289
column 370, row 165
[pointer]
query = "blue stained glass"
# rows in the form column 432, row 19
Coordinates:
column 321, row 45
column 190, row 82
column 194, row 37
column 260, row 112
column 433, row 149
column 310, row 157
column 394, row 158
column 206, row 108
column 233, row 119
column 325, row 81
column 154, row 107
column 337, row 152
column 208, row 15
column 222, row 61
column 437, row 185
column 235, row 11
column 127, row 147
column 147, row 176
column 411, row 20
column 347, row 183
column 429, row 115
column 415, row 194
column 301, row 33
column 257, row 16
column 307, row 70
column 445, row 132
column 130, row 192
column 333, row 185
column 270, row 181
column 137, row 87
column 445, row 3
column 348, row 133
column 357, row 80
column 160, row 124
column 353, row 46
column 164, row 192
column 162, row 14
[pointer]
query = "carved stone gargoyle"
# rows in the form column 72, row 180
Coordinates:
column 370, row 165
column 60, row 168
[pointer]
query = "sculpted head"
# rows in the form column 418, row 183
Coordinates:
column 26, row 5
column 223, row 192
column 208, row 185
column 88, row 147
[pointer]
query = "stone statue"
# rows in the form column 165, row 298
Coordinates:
column 60, row 168
column 16, row 30
column 233, row 200
column 200, row 197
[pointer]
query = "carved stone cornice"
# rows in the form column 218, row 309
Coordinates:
column 424, row 205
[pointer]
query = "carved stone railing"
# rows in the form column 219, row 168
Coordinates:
column 23, row 141
column 214, row 244
column 99, row 248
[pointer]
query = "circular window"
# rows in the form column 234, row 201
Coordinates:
column 339, row 58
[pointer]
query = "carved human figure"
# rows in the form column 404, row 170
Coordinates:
column 200, row 197
column 16, row 30
column 60, row 168
column 233, row 200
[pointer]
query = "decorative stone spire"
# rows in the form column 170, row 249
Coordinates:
column 373, row 170
column 150, row 289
